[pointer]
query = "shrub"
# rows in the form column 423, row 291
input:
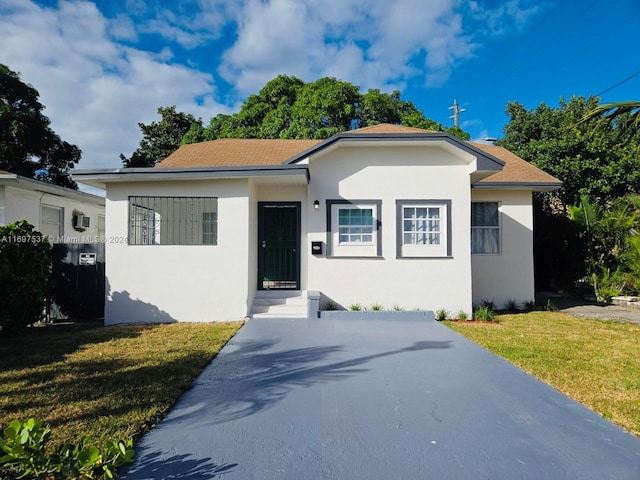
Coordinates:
column 398, row 308
column 441, row 314
column 484, row 313
column 24, row 455
column 331, row 305
column 511, row 305
column 376, row 307
column 356, row 307
column 24, row 274
column 550, row 307
column 462, row 315
column 489, row 304
column 529, row 306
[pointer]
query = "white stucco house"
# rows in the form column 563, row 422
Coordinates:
column 385, row 214
column 62, row 214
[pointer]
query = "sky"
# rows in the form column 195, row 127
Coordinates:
column 103, row 66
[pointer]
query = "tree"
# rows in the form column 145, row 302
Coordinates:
column 612, row 238
column 160, row 139
column 28, row 145
column 626, row 113
column 24, row 274
column 286, row 107
column 602, row 163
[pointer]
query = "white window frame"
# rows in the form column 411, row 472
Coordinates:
column 59, row 223
column 337, row 247
column 425, row 250
column 497, row 227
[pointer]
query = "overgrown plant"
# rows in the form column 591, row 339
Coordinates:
column 490, row 304
column 24, row 274
column 484, row 313
column 26, row 456
column 331, row 305
column 511, row 305
column 441, row 314
column 611, row 233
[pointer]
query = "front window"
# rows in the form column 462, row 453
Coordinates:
column 353, row 228
column 422, row 225
column 173, row 221
column 423, row 228
column 485, row 228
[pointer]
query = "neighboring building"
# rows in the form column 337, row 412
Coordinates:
column 385, row 214
column 62, row 214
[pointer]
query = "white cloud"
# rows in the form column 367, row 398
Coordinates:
column 95, row 89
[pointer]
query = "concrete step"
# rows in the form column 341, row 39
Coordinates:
column 279, row 303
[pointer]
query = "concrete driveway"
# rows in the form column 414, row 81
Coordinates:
column 376, row 399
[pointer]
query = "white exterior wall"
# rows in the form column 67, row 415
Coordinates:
column 387, row 174
column 21, row 204
column 508, row 275
column 186, row 283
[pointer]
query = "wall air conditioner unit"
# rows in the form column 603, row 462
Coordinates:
column 82, row 221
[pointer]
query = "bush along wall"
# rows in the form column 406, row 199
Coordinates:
column 24, row 274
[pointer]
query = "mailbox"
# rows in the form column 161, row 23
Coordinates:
column 316, row 248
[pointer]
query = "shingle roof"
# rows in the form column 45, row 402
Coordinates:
column 515, row 170
column 232, row 152
column 227, row 152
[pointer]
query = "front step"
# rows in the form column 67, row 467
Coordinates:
column 279, row 303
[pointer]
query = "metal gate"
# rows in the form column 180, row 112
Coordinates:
column 77, row 282
column 279, row 245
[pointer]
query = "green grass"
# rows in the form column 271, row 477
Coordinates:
column 592, row 361
column 109, row 383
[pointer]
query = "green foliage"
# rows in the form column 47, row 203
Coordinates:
column 161, row 139
column 25, row 455
column 602, row 163
column 376, row 307
column 484, row 313
column 611, row 235
column 398, row 308
column 529, row 306
column 28, row 145
column 441, row 314
column 24, row 274
column 490, row 304
column 356, row 307
column 462, row 315
column 287, row 107
column 330, row 305
column 511, row 305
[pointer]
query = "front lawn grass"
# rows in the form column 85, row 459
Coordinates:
column 108, row 383
column 594, row 362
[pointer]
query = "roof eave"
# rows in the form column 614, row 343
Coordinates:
column 119, row 175
column 534, row 186
column 32, row 184
column 486, row 161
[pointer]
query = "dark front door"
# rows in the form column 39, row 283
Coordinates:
column 278, row 245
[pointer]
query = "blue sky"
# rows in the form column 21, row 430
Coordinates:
column 101, row 67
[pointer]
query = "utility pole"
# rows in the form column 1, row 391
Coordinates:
column 456, row 113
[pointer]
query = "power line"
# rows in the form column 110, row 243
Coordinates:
column 544, row 45
column 618, row 84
